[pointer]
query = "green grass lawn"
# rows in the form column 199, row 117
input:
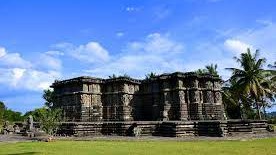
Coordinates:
column 255, row 147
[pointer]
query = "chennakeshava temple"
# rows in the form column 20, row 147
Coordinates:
column 176, row 104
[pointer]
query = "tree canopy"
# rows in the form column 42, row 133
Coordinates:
column 209, row 69
column 250, row 85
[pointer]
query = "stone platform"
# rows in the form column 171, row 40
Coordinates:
column 214, row 128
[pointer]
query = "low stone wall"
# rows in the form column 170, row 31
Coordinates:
column 164, row 128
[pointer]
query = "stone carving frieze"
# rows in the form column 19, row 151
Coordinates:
column 217, row 85
column 194, row 96
column 126, row 88
column 85, row 99
column 208, row 85
column 180, row 83
column 194, row 83
column 208, row 97
column 181, row 97
column 218, row 97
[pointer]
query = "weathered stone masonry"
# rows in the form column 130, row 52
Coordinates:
column 168, row 97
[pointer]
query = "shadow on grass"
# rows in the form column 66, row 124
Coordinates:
column 25, row 153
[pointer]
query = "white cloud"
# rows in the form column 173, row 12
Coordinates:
column 262, row 38
column 38, row 80
column 18, row 73
column 264, row 22
column 54, row 53
column 236, row 46
column 27, row 79
column 92, row 52
column 120, row 34
column 2, row 51
column 12, row 59
column 156, row 52
column 155, row 43
column 48, row 61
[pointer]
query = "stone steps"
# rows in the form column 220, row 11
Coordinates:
column 168, row 129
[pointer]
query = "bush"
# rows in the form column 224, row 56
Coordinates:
column 48, row 118
column 270, row 128
column 271, row 121
column 50, row 121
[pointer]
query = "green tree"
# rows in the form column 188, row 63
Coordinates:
column 250, row 80
column 12, row 116
column 150, row 75
column 49, row 97
column 8, row 114
column 49, row 116
column 201, row 71
column 212, row 69
column 2, row 111
column 49, row 120
column 37, row 113
column 209, row 69
column 273, row 76
column 231, row 101
column 113, row 76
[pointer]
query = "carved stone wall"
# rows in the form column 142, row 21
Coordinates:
column 120, row 98
column 176, row 96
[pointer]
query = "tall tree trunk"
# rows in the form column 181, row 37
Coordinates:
column 263, row 104
column 240, row 108
column 264, row 111
column 259, row 111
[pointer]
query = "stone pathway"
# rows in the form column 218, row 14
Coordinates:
column 244, row 137
column 14, row 138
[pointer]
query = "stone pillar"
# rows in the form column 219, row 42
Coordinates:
column 166, row 106
column 219, row 108
column 126, row 108
column 183, row 111
column 195, row 106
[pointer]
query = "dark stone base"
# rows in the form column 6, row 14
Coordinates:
column 165, row 128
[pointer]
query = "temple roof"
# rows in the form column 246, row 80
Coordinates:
column 89, row 79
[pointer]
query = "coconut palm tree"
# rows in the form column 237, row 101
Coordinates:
column 273, row 75
column 150, row 75
column 212, row 69
column 209, row 69
column 250, row 79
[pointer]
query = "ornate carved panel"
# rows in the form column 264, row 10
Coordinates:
column 179, row 83
column 218, row 97
column 126, row 88
column 194, row 96
column 208, row 97
column 85, row 99
column 131, row 89
column 208, row 85
column 85, row 87
column 194, row 83
column 217, row 85
column 181, row 97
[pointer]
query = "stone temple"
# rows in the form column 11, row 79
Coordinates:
column 167, row 97
column 176, row 104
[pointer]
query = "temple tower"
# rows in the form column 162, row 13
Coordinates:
column 79, row 98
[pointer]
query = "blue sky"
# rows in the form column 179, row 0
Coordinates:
column 41, row 41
